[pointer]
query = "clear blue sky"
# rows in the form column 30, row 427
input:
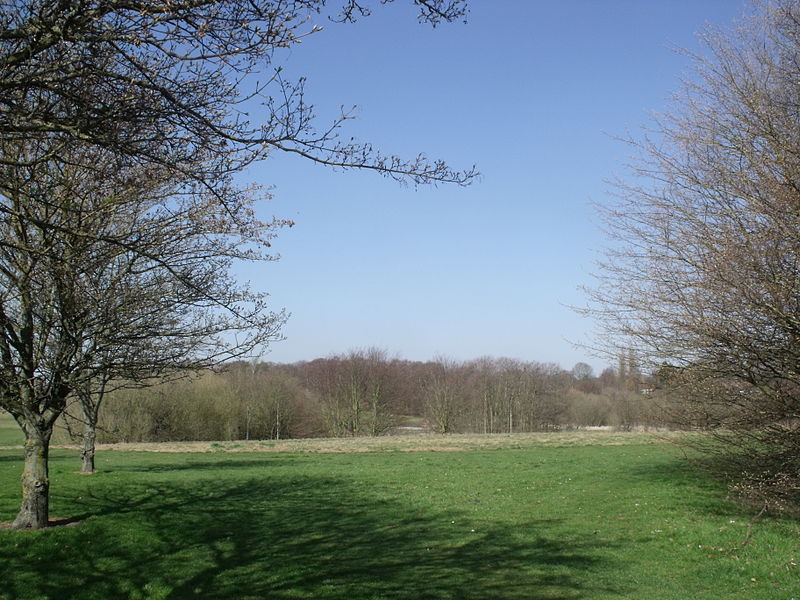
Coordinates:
column 530, row 91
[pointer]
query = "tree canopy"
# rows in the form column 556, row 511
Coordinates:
column 703, row 279
column 121, row 73
column 123, row 125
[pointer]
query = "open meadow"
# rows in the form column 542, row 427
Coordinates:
column 10, row 433
column 550, row 516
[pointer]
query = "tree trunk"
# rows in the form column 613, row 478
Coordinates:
column 87, row 454
column 34, row 512
column 91, row 414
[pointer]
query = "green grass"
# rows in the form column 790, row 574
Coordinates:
column 10, row 433
column 534, row 523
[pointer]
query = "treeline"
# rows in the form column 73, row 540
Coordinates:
column 366, row 393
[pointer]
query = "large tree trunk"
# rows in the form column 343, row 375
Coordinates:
column 34, row 512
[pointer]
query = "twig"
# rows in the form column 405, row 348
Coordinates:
column 749, row 532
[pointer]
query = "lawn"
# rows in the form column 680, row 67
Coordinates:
column 10, row 434
column 536, row 521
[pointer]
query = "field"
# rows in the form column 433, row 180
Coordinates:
column 10, row 434
column 509, row 517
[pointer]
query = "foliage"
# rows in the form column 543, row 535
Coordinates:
column 628, row 521
column 113, row 274
column 703, row 276
column 221, row 406
column 325, row 397
column 117, row 112
column 354, row 392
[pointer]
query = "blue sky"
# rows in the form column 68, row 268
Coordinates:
column 533, row 93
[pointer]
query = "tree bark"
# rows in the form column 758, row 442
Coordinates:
column 35, row 510
column 87, row 454
column 91, row 416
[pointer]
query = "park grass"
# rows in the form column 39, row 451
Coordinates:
column 536, row 521
column 10, row 433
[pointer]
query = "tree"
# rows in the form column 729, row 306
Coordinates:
column 582, row 371
column 152, row 91
column 152, row 244
column 90, row 396
column 109, row 274
column 354, row 392
column 120, row 74
column 704, row 275
column 443, row 399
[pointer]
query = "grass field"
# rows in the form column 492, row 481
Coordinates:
column 626, row 519
column 10, row 434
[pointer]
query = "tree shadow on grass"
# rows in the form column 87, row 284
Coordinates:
column 680, row 471
column 221, row 461
column 700, row 483
column 290, row 536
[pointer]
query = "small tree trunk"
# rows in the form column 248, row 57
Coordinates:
column 91, row 414
column 87, row 454
column 35, row 511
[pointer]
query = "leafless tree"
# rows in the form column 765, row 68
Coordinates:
column 137, row 94
column 122, row 73
column 109, row 275
column 703, row 274
column 355, row 392
column 582, row 371
column 443, row 399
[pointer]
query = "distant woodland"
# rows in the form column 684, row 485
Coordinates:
column 366, row 393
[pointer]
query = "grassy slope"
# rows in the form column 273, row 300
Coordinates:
column 535, row 522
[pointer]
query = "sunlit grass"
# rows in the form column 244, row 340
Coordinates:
column 535, row 522
column 10, row 433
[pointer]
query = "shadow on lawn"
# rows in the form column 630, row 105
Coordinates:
column 704, row 477
column 283, row 536
column 224, row 461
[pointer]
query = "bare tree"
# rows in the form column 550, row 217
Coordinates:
column 354, row 391
column 122, row 73
column 582, row 371
column 704, row 273
column 111, row 275
column 90, row 395
column 444, row 402
column 138, row 94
